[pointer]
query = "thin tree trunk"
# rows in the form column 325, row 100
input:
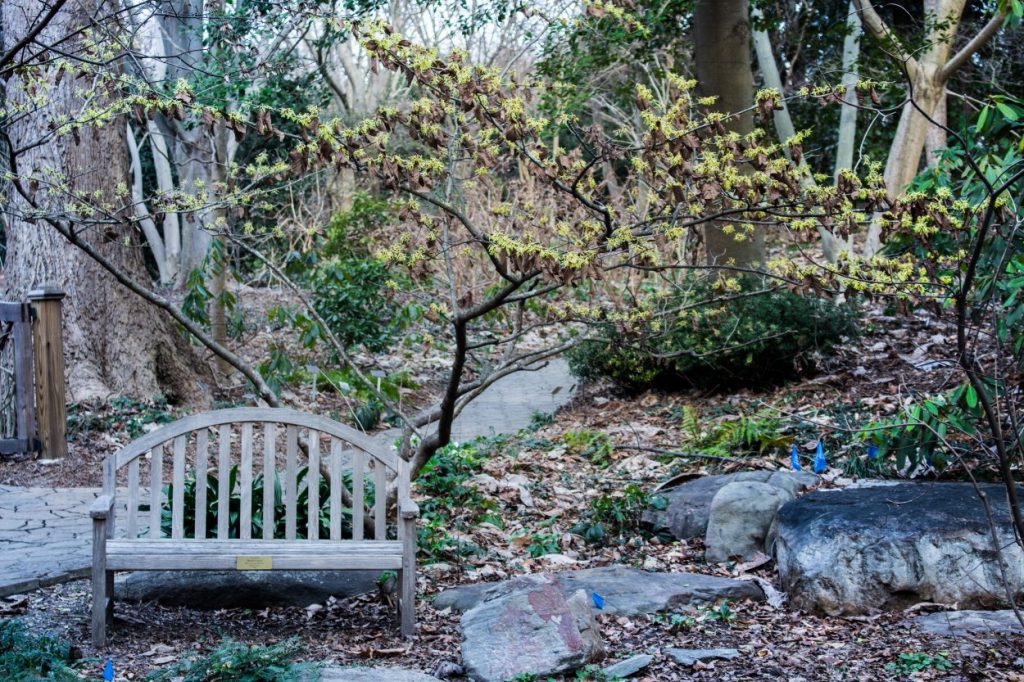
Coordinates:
column 770, row 73
column 831, row 245
column 219, row 284
column 722, row 52
column 165, row 186
column 115, row 343
column 848, row 111
column 142, row 214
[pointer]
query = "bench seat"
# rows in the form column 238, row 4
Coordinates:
column 222, row 555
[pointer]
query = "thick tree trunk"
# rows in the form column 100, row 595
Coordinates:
column 115, row 343
column 926, row 87
column 908, row 143
column 722, row 52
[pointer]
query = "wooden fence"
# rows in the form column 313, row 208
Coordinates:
column 34, row 329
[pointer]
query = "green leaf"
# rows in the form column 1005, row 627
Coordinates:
column 1008, row 113
column 983, row 117
column 971, row 397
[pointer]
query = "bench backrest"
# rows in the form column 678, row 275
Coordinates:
column 310, row 465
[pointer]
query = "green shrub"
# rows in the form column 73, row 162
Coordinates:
column 595, row 446
column 914, row 662
column 453, row 502
column 921, row 434
column 755, row 433
column 237, row 662
column 734, row 339
column 235, row 505
column 352, row 297
column 350, row 233
column 615, row 518
column 25, row 657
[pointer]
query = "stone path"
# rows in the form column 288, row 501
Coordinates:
column 510, row 403
column 46, row 535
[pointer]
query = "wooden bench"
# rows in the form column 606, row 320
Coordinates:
column 338, row 471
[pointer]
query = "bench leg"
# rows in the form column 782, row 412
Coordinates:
column 407, row 581
column 110, row 598
column 101, row 578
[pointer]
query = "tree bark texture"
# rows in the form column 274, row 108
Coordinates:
column 722, row 54
column 115, row 343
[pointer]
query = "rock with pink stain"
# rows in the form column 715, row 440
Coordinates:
column 532, row 629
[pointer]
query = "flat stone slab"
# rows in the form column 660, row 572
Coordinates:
column 690, row 657
column 242, row 589
column 956, row 623
column 45, row 536
column 629, row 666
column 626, row 591
column 689, row 504
column 888, row 547
column 358, row 674
column 334, row 673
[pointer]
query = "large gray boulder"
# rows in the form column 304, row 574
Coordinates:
column 625, row 591
column 532, row 630
column 741, row 514
column 688, row 505
column 242, row 589
column 862, row 549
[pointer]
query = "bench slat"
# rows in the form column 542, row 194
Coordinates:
column 156, row 488
column 223, row 554
column 358, row 470
column 224, row 482
column 336, row 486
column 132, row 522
column 178, row 494
column 290, row 466
column 380, row 499
column 202, row 455
column 245, row 482
column 269, row 478
column 313, row 487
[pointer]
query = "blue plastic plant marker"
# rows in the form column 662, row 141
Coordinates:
column 872, row 451
column 819, row 459
column 794, row 458
column 598, row 600
column 108, row 671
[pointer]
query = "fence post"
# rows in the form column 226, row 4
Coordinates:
column 48, row 340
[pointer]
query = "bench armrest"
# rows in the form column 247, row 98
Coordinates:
column 408, row 509
column 102, row 507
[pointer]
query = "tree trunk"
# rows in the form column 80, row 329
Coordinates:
column 926, row 87
column 722, row 53
column 908, row 143
column 935, row 141
column 848, row 110
column 114, row 342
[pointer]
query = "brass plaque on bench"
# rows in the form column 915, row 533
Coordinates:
column 254, row 563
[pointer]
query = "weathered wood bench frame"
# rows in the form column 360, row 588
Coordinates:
column 113, row 553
